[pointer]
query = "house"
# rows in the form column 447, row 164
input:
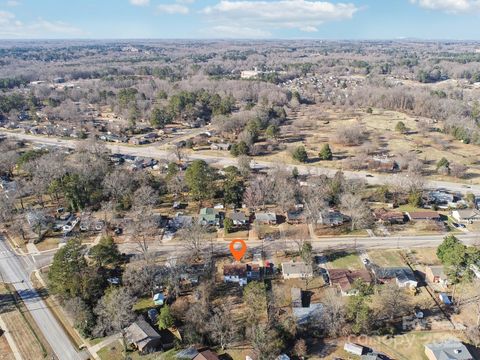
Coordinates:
column 239, row 218
column 344, row 279
column 389, row 217
column 254, row 272
column 331, row 218
column 440, row 197
column 235, row 273
column 451, row 349
column 141, row 336
column 354, row 349
column 403, row 276
column 220, row 146
column 266, row 218
column 423, row 215
column 296, row 216
column 296, row 297
column 296, row 270
column 436, row 275
column 466, row 216
column 382, row 165
column 304, row 314
column 206, row 355
column 210, row 216
column 159, row 299
column 250, row 74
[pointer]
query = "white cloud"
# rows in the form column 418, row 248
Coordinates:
column 11, row 27
column 450, row 6
column 264, row 16
column 13, row 3
column 140, row 2
column 173, row 9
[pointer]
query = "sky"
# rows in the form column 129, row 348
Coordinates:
column 242, row 19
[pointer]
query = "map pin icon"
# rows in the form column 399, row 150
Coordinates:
column 238, row 248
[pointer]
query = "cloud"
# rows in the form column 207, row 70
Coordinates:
column 264, row 16
column 173, row 9
column 13, row 3
column 449, row 6
column 140, row 2
column 11, row 27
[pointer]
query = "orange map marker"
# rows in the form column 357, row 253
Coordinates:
column 238, row 248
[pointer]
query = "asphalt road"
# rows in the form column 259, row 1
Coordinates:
column 154, row 151
column 14, row 270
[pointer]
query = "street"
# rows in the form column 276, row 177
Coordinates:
column 153, row 151
column 14, row 271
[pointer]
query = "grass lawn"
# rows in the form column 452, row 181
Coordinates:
column 426, row 256
column 342, row 260
column 387, row 258
column 47, row 244
column 411, row 346
column 115, row 351
column 144, row 304
column 234, row 235
column 21, row 326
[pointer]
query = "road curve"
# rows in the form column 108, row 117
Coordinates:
column 13, row 271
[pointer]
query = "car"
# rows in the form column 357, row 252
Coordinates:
column 455, row 225
column 118, row 231
column 369, row 176
column 365, row 261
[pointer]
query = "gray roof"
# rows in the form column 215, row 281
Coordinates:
column 238, row 216
column 400, row 273
column 266, row 216
column 450, row 350
column 189, row 353
column 304, row 314
column 296, row 268
column 140, row 332
column 466, row 214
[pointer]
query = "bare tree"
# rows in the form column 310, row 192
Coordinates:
column 222, row 328
column 358, row 211
column 195, row 238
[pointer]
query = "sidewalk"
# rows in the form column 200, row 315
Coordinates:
column 11, row 342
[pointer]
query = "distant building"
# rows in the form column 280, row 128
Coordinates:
column 239, row 218
column 436, row 275
column 448, row 350
column 423, row 215
column 267, row 218
column 221, row 146
column 209, row 216
column 354, row 349
column 296, row 216
column 331, row 218
column 389, row 217
column 250, row 74
column 296, row 270
column 466, row 216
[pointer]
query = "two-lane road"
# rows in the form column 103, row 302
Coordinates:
column 154, row 151
column 12, row 268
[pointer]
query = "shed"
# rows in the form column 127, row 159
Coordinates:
column 354, row 349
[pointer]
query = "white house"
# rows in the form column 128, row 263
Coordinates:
column 235, row 274
column 466, row 216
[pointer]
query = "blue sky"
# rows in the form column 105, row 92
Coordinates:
column 193, row 19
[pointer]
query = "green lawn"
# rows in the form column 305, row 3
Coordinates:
column 115, row 351
column 342, row 260
column 144, row 304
